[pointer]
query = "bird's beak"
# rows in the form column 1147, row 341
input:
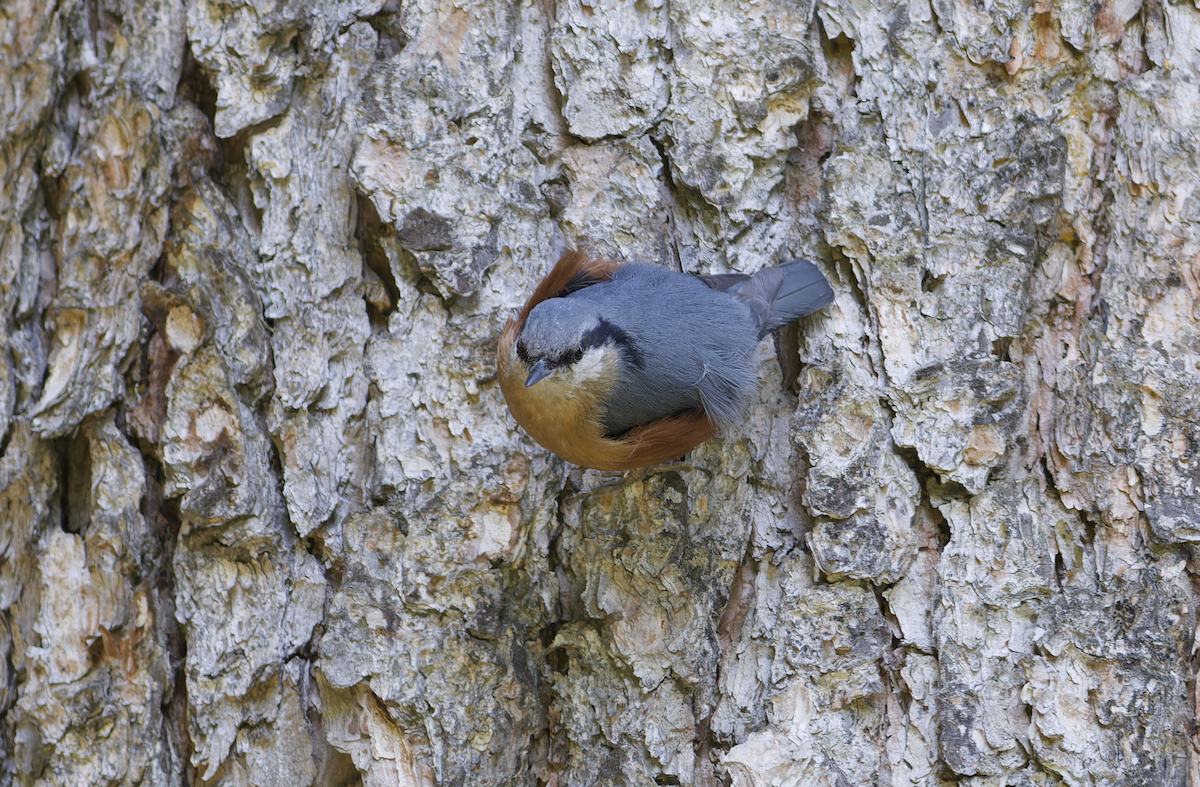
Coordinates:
column 538, row 372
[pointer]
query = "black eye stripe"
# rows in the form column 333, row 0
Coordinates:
column 606, row 333
column 569, row 358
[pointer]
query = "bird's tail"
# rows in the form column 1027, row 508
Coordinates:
column 784, row 292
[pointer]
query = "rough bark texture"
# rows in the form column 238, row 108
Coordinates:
column 264, row 517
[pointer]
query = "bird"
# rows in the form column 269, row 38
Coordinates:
column 614, row 365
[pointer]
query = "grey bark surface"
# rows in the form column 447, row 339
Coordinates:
column 265, row 519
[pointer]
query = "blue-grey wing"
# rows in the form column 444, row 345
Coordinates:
column 694, row 347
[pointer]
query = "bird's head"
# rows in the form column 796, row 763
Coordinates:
column 565, row 338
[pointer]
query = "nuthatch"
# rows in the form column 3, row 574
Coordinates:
column 616, row 365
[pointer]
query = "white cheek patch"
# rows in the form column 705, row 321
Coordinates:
column 592, row 375
column 596, row 365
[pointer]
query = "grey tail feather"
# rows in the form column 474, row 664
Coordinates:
column 784, row 292
column 725, row 282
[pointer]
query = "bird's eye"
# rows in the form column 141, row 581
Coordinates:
column 577, row 354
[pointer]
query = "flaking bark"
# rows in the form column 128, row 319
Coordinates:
column 265, row 520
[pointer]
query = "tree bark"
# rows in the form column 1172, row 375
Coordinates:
column 265, row 519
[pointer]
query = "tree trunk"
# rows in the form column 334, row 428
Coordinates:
column 266, row 520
